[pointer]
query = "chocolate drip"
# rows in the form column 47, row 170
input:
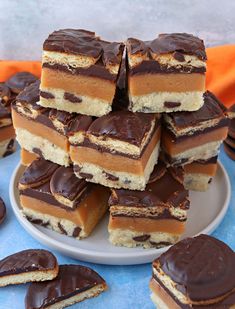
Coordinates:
column 20, row 80
column 172, row 104
column 71, row 280
column 72, row 98
column 26, row 261
column 202, row 267
column 141, row 238
column 46, row 95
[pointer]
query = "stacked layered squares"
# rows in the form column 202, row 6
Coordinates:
column 229, row 143
column 52, row 196
column 45, row 131
column 195, row 273
column 166, row 74
column 79, row 72
column 193, row 139
column 119, row 150
column 155, row 217
column 7, row 133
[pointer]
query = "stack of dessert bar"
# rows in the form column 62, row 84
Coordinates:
column 127, row 127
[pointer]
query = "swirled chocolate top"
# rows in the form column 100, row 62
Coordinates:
column 123, row 125
column 27, row 260
column 165, row 187
column 202, row 267
column 72, row 280
column 84, row 43
column 168, row 43
column 20, row 80
column 210, row 110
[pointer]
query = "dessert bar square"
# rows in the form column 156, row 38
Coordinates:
column 119, row 150
column 166, row 74
column 155, row 217
column 79, row 72
column 188, row 137
column 52, row 196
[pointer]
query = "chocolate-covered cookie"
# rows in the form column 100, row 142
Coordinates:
column 20, row 80
column 73, row 284
column 28, row 266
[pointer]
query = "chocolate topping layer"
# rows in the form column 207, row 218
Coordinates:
column 27, row 261
column 2, row 210
column 4, row 112
column 202, row 267
column 164, row 188
column 72, row 280
column 65, row 183
column 30, row 95
column 169, row 43
column 123, row 125
column 209, row 111
column 84, row 43
column 39, row 171
column 20, row 80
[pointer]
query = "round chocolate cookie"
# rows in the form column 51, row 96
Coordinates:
column 20, row 80
column 2, row 210
column 229, row 151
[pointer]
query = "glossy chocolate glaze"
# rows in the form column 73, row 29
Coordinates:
column 202, row 267
column 39, row 171
column 2, row 210
column 164, row 188
column 169, row 43
column 123, row 125
column 72, row 280
column 20, row 80
column 209, row 111
column 64, row 182
column 30, row 95
column 27, row 261
column 84, row 43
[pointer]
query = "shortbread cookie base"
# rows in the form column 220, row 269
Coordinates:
column 88, row 105
column 154, row 102
column 32, row 276
column 196, row 182
column 119, row 179
column 121, row 237
column 48, row 150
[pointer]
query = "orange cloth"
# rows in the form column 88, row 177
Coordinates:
column 220, row 77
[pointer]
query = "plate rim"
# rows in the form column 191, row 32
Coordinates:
column 93, row 256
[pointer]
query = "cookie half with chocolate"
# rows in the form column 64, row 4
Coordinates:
column 74, row 284
column 119, row 150
column 166, row 74
column 188, row 137
column 195, row 273
column 199, row 174
column 52, row 196
column 43, row 131
column 79, row 72
column 28, row 266
column 19, row 81
column 7, row 133
column 155, row 217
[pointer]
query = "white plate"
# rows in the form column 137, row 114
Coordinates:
column 206, row 212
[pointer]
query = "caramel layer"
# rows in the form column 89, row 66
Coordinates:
column 27, row 157
column 93, row 87
column 6, row 133
column 81, row 215
column 197, row 168
column 162, row 294
column 174, row 148
column 148, row 83
column 114, row 162
column 147, row 225
column 39, row 129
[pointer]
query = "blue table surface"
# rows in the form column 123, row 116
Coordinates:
column 128, row 285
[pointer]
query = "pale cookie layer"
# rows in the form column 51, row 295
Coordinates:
column 154, row 102
column 32, row 276
column 144, row 84
column 196, row 182
column 120, row 237
column 125, row 180
column 89, row 106
column 49, row 150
